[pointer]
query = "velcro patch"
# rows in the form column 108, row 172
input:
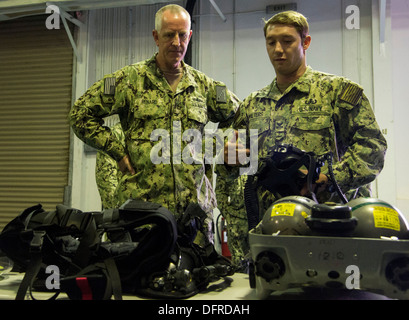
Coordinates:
column 109, row 86
column 221, row 94
column 351, row 94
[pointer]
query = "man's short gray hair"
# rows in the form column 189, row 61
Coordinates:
column 174, row 8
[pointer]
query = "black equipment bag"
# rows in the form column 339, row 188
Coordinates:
column 147, row 252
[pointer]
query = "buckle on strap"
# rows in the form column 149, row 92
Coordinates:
column 37, row 241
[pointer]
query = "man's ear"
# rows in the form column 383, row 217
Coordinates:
column 155, row 37
column 307, row 42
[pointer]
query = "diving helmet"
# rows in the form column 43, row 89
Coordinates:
column 377, row 218
column 286, row 216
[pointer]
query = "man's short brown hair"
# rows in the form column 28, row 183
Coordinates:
column 291, row 18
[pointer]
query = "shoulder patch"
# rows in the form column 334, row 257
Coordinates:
column 351, row 94
column 221, row 94
column 109, row 86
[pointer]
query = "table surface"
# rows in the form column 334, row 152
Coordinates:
column 235, row 287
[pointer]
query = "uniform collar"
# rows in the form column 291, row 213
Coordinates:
column 154, row 73
column 303, row 84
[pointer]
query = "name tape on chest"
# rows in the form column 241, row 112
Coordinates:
column 351, row 94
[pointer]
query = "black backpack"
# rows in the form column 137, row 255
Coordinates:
column 138, row 248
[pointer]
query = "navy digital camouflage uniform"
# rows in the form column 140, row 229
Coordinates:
column 319, row 113
column 107, row 173
column 144, row 101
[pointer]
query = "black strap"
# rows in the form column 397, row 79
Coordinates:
column 29, row 277
column 115, row 280
column 89, row 238
column 34, row 266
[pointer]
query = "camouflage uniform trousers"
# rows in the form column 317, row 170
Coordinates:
column 230, row 202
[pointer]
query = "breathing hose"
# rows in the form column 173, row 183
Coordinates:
column 251, row 202
column 342, row 196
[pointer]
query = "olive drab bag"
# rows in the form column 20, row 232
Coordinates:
column 138, row 248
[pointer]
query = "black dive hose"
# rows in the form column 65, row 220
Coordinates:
column 311, row 177
column 251, row 202
column 341, row 195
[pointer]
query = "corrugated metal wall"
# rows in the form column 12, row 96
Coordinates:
column 35, row 96
column 119, row 37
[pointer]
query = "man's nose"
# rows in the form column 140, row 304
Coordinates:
column 278, row 48
column 176, row 40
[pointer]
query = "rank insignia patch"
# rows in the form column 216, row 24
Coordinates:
column 109, row 86
column 352, row 94
column 221, row 94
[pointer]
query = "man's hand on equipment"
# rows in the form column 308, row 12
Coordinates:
column 125, row 165
column 319, row 185
column 238, row 148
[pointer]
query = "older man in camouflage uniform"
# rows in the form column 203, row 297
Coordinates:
column 313, row 111
column 160, row 95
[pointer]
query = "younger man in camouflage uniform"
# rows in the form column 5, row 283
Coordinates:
column 313, row 111
column 160, row 95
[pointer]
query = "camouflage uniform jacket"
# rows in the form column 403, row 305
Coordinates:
column 144, row 101
column 107, row 173
column 319, row 113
